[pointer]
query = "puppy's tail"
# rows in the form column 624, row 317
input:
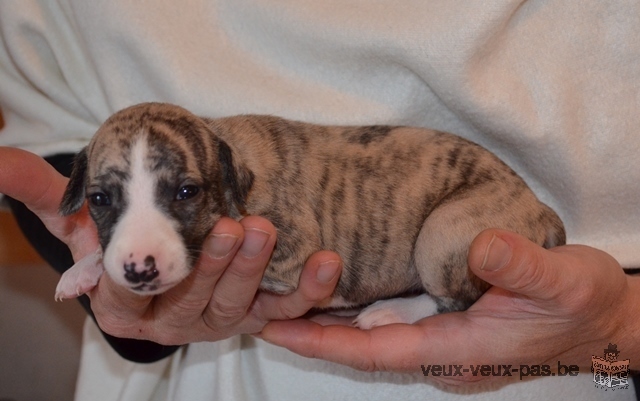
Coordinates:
column 556, row 234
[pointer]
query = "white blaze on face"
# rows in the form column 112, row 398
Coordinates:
column 145, row 253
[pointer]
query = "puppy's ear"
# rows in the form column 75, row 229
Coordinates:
column 235, row 175
column 74, row 195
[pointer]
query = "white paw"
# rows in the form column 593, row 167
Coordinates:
column 396, row 310
column 81, row 277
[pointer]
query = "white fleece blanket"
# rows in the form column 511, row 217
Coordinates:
column 552, row 87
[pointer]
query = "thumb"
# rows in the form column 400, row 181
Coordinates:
column 514, row 263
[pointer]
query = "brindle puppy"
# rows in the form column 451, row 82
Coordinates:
column 400, row 205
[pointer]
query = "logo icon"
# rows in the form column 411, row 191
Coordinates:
column 609, row 372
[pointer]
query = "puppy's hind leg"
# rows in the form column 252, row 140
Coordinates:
column 441, row 250
column 440, row 257
column 396, row 310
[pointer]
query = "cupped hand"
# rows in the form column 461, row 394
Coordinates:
column 547, row 307
column 220, row 297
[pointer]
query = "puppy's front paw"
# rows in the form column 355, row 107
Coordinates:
column 81, row 277
column 396, row 310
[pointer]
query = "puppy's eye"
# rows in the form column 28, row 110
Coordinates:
column 187, row 192
column 100, row 199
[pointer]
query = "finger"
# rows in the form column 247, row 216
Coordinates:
column 46, row 185
column 42, row 195
column 512, row 262
column 317, row 283
column 194, row 293
column 235, row 291
column 368, row 350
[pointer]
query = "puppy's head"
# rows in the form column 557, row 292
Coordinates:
column 156, row 179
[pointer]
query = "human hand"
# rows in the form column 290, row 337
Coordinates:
column 216, row 301
column 220, row 297
column 546, row 307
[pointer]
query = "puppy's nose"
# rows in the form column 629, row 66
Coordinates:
column 146, row 275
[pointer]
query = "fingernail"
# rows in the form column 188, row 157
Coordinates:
column 327, row 271
column 497, row 255
column 219, row 245
column 254, row 242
